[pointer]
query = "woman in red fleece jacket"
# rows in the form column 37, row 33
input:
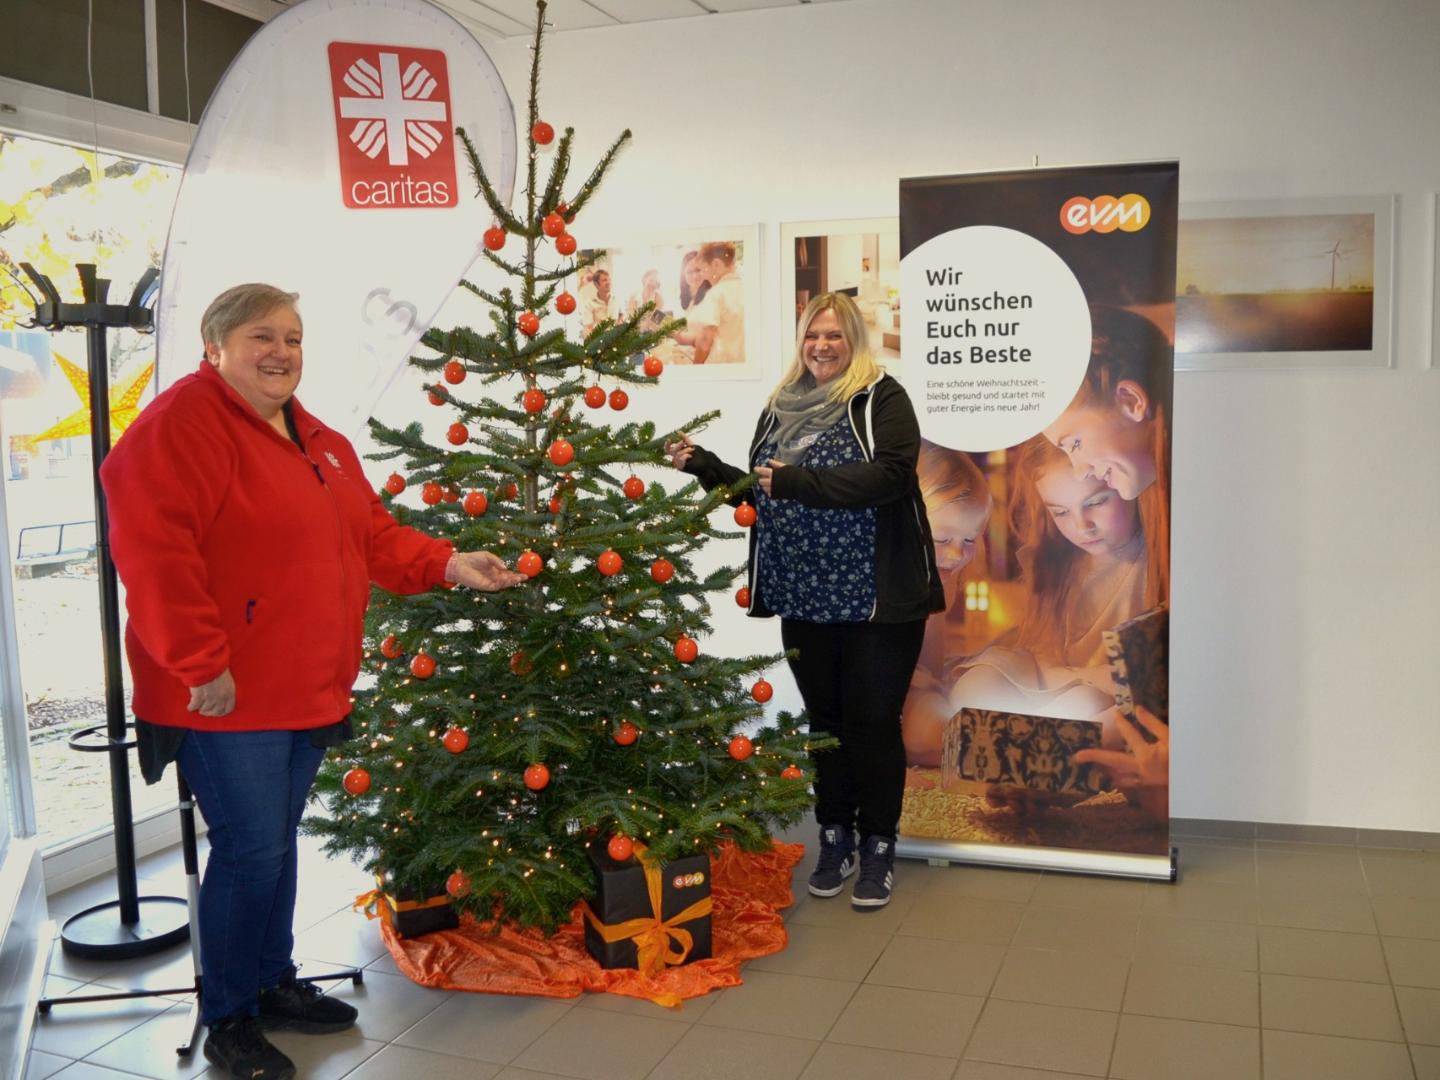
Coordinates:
column 247, row 538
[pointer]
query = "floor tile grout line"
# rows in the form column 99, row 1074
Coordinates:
column 994, row 979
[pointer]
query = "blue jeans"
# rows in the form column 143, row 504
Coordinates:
column 251, row 787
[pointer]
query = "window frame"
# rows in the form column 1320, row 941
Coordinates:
column 42, row 113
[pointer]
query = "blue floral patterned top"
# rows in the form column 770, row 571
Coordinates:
column 816, row 565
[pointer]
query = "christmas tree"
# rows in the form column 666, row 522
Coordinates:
column 503, row 733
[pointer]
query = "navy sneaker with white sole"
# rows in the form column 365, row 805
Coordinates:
column 837, row 860
column 877, row 873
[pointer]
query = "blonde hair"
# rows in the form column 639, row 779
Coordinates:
column 239, row 304
column 863, row 369
column 951, row 476
column 948, row 476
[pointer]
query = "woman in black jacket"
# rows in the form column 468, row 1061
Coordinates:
column 841, row 551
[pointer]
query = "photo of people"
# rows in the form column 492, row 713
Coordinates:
column 703, row 281
column 1054, row 555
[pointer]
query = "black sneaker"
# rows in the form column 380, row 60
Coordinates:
column 237, row 1046
column 837, row 861
column 877, row 873
column 300, row 1006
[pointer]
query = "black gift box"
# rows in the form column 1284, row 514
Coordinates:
column 622, row 895
column 413, row 913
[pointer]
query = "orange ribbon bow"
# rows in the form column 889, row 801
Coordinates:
column 653, row 934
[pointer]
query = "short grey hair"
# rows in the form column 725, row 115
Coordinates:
column 238, row 305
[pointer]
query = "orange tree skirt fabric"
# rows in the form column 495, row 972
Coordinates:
column 748, row 891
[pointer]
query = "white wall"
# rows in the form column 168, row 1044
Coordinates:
column 1306, row 608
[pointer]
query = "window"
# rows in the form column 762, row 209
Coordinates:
column 55, row 212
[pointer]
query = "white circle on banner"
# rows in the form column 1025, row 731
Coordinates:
column 996, row 336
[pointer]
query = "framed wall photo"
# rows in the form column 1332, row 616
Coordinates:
column 1285, row 283
column 856, row 256
column 709, row 277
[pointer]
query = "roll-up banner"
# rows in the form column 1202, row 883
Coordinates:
column 326, row 163
column 1038, row 349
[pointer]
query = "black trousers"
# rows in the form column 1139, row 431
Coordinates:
column 853, row 678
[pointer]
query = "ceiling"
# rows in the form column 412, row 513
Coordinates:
column 512, row 18
column 515, row 18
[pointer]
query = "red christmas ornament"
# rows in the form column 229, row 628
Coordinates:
column 529, row 563
column 741, row 748
column 565, row 244
column 542, row 133
column 454, row 372
column 609, row 563
column 456, row 740
column 791, row 772
column 654, row 365
column 509, row 491
column 620, row 847
column 534, row 401
column 553, row 224
column 555, row 505
column 395, row 483
column 563, row 208
column 595, row 397
column 452, row 494
column 662, row 570
column 436, row 399
column 422, row 666
column 742, row 596
column 458, row 434
column 458, row 884
column 633, row 488
column 561, row 452
column 686, row 650
column 494, row 238
column 431, row 493
column 390, row 647
column 626, row 733
column 529, row 323
column 619, row 399
column 745, row 515
column 564, row 303
column 357, row 781
column 520, row 663
column 475, row 503
column 762, row 691
column 537, row 776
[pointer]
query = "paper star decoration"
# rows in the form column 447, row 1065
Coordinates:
column 124, row 402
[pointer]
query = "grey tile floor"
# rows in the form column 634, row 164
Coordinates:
column 1269, row 959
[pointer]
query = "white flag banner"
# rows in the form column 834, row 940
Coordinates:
column 327, row 164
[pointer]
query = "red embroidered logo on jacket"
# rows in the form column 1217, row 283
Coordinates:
column 393, row 125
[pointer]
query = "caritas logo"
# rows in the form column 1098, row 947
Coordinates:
column 1105, row 213
column 392, row 119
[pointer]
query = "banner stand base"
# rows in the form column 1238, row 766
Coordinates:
column 1068, row 860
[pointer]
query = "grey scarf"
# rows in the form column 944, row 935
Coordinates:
column 803, row 411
